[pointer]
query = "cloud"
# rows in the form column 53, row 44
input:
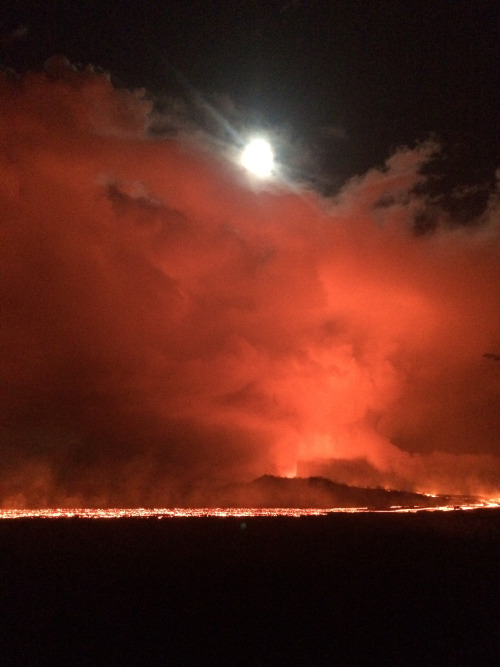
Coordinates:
column 167, row 327
column 18, row 34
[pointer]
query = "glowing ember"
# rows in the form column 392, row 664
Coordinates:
column 235, row 512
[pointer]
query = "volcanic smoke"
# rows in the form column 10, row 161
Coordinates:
column 166, row 327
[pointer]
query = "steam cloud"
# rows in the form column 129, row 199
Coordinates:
column 166, row 326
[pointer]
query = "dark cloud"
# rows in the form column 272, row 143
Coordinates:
column 19, row 33
column 166, row 326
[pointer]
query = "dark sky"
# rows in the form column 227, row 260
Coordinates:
column 169, row 323
column 350, row 80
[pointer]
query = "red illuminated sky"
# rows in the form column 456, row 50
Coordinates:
column 167, row 323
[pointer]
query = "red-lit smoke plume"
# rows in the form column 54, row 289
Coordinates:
column 165, row 326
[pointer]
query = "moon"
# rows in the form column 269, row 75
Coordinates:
column 258, row 157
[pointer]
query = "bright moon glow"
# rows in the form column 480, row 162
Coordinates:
column 258, row 158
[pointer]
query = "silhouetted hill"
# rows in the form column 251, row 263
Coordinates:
column 271, row 491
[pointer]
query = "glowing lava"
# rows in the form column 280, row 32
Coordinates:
column 222, row 512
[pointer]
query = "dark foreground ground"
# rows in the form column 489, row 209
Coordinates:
column 414, row 589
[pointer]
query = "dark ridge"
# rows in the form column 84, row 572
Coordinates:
column 320, row 492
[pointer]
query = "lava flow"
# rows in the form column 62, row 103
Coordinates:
column 221, row 512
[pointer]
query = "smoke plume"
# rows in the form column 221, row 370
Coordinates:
column 168, row 326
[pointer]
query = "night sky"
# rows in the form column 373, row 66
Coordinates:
column 170, row 323
column 348, row 81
